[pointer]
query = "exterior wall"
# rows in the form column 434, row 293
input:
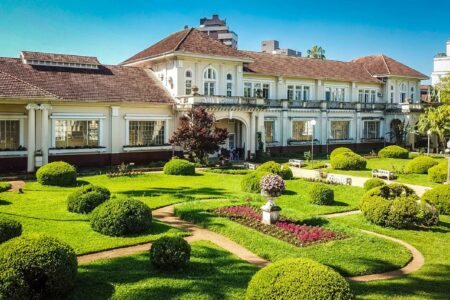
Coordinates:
column 393, row 85
column 441, row 65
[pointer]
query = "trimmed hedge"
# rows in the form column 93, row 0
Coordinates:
column 275, row 168
column 298, row 278
column 121, row 217
column 420, row 165
column 170, row 253
column 321, row 194
column 438, row 173
column 439, row 197
column 251, row 182
column 57, row 173
column 372, row 183
column 348, row 161
column 397, row 206
column 179, row 167
column 394, row 151
column 286, row 172
column 9, row 229
column 340, row 150
column 86, row 198
column 37, row 266
column 5, row 186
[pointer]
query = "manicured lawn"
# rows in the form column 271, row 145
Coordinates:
column 212, row 274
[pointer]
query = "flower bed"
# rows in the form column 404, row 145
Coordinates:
column 287, row 230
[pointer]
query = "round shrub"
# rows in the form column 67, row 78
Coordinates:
column 5, row 186
column 321, row 194
column 438, row 173
column 44, row 267
column 251, row 182
column 121, row 217
column 179, row 167
column 439, row 197
column 340, row 150
column 428, row 214
column 9, row 229
column 394, row 151
column 372, row 183
column 286, row 172
column 86, row 198
column 298, row 278
column 170, row 253
column 13, row 285
column 57, row 173
column 420, row 165
column 275, row 168
column 403, row 212
column 348, row 161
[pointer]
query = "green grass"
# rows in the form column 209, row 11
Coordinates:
column 356, row 255
column 212, row 274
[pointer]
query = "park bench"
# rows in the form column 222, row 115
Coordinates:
column 251, row 166
column 383, row 173
column 296, row 163
column 339, row 180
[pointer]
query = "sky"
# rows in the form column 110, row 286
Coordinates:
column 409, row 31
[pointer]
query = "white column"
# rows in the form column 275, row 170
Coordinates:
column 285, row 131
column 262, row 129
column 45, row 108
column 31, row 144
column 252, row 132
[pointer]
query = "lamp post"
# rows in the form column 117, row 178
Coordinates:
column 428, row 147
column 313, row 123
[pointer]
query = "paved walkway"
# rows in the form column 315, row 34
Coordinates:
column 166, row 215
column 356, row 180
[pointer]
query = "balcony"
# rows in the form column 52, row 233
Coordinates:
column 305, row 104
column 221, row 101
column 372, row 106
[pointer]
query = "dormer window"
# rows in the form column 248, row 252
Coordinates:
column 59, row 60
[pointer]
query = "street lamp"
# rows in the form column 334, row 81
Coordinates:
column 428, row 148
column 313, row 123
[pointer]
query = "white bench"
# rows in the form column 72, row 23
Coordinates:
column 339, row 180
column 251, row 166
column 296, row 163
column 383, row 173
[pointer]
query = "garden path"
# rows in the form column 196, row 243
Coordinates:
column 166, row 215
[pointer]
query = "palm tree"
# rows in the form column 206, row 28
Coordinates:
column 437, row 120
column 316, row 52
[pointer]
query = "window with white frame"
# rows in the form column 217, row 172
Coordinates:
column 335, row 94
column 340, row 130
column 257, row 89
column 301, row 130
column 188, row 83
column 298, row 92
column 372, row 96
column 371, row 129
column 209, row 82
column 269, row 126
column 247, row 89
column 391, row 94
column 146, row 132
column 266, row 90
column 229, row 85
column 403, row 92
column 9, row 134
column 76, row 133
column 412, row 93
column 367, row 95
column 328, row 94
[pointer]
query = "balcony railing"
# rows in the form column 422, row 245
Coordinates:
column 220, row 100
column 305, row 104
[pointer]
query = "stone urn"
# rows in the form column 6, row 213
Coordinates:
column 271, row 187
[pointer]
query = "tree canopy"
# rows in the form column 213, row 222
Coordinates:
column 443, row 89
column 316, row 52
column 437, row 120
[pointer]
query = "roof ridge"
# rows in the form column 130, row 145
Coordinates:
column 385, row 63
column 29, row 84
column 183, row 39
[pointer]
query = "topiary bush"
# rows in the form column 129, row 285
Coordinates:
column 348, row 161
column 420, row 165
column 428, row 214
column 9, row 229
column 5, row 186
column 298, row 278
column 86, row 198
column 57, row 173
column 372, row 183
column 438, row 173
column 179, row 167
column 170, row 253
column 286, row 172
column 121, row 217
column 275, row 168
column 439, row 197
column 38, row 266
column 340, row 150
column 394, row 151
column 251, row 182
column 321, row 194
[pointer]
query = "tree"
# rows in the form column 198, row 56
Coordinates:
column 399, row 131
column 197, row 134
column 437, row 120
column 443, row 89
column 316, row 52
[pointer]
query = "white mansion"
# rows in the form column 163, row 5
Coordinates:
column 73, row 108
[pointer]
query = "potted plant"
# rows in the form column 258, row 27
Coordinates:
column 195, row 90
column 272, row 186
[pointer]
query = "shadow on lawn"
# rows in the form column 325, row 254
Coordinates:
column 45, row 219
column 211, row 273
column 182, row 192
column 4, row 202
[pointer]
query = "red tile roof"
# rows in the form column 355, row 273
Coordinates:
column 382, row 65
column 282, row 65
column 188, row 41
column 105, row 84
column 61, row 58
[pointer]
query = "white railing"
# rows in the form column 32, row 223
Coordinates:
column 219, row 100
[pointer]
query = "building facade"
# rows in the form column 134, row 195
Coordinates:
column 73, row 108
column 441, row 65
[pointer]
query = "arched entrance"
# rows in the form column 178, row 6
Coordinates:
column 236, row 146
